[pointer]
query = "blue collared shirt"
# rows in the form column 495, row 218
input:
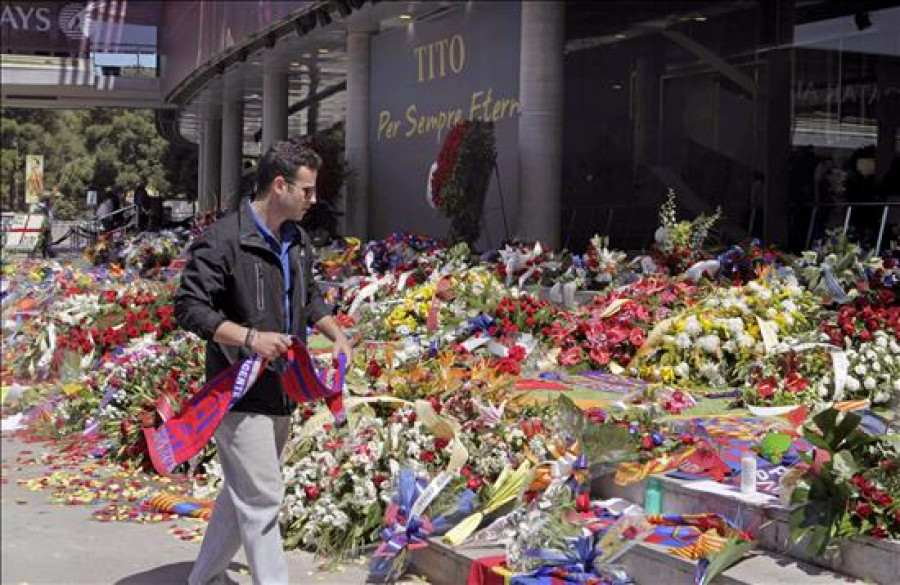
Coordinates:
column 288, row 233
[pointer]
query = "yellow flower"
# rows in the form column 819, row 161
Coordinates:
column 667, row 373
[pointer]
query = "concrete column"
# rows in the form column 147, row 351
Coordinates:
column 312, row 111
column 275, row 104
column 774, row 102
column 540, row 125
column 210, row 161
column 356, row 140
column 232, row 148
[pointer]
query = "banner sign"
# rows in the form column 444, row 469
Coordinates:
column 34, row 177
column 23, row 232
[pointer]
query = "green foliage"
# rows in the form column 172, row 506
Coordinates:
column 98, row 148
column 822, row 497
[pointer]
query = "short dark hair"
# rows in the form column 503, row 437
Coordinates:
column 282, row 160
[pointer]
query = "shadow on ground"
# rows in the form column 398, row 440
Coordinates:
column 174, row 573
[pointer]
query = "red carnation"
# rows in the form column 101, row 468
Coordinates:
column 312, row 492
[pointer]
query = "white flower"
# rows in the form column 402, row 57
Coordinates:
column 709, row 343
column 852, row 384
column 683, row 341
column 881, row 397
column 736, row 326
column 860, row 369
column 682, row 370
column 869, row 383
column 881, row 341
column 692, row 326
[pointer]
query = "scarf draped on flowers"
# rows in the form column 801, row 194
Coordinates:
column 183, row 436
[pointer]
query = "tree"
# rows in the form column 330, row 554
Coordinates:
column 96, row 148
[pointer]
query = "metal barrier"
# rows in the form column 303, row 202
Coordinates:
column 884, row 205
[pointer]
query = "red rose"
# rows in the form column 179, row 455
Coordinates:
column 647, row 442
column 466, row 470
column 516, row 352
column 863, row 510
column 373, row 370
column 428, row 457
column 883, row 499
column 311, row 492
column 475, row 483
column 441, row 443
column 879, row 532
column 132, row 331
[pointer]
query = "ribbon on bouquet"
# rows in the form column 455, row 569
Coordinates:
column 181, row 437
column 575, row 564
column 406, row 525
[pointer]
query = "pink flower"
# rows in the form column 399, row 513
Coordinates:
column 637, row 337
column 600, row 356
column 571, row 356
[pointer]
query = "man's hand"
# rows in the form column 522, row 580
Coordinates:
column 342, row 345
column 270, row 344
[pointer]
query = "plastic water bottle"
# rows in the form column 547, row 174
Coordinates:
column 748, row 473
column 653, row 496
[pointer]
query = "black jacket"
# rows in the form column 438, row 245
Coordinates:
column 232, row 274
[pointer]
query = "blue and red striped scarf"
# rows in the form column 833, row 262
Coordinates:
column 181, row 437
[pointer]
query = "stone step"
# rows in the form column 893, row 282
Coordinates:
column 863, row 558
column 646, row 564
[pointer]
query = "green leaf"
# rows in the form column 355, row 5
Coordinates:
column 731, row 553
column 845, row 465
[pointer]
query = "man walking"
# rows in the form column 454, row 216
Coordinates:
column 247, row 287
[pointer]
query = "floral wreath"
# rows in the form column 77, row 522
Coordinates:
column 459, row 183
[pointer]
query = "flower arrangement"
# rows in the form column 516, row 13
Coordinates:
column 148, row 253
column 447, row 159
column 705, row 343
column 452, row 300
column 602, row 266
column 339, row 482
column 858, row 321
column 678, row 244
column 851, row 487
column 613, row 327
column 461, row 179
column 789, row 378
column 741, row 264
column 874, row 371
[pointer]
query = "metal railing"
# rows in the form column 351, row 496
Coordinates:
column 885, row 210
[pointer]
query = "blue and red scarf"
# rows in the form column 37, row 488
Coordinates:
column 181, row 437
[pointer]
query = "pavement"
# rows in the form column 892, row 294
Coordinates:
column 44, row 543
